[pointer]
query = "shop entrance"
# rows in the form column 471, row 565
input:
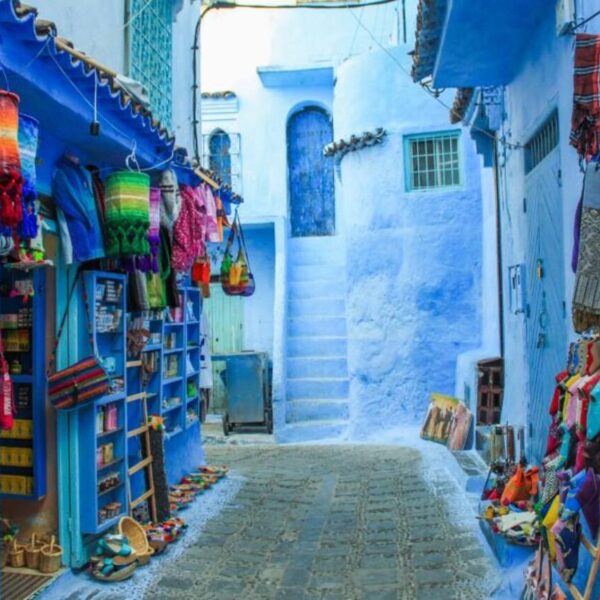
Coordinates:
column 545, row 287
column 226, row 317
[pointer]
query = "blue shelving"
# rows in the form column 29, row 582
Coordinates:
column 103, row 424
column 27, row 350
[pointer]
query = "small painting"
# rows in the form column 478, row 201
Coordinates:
column 440, row 415
column 460, row 427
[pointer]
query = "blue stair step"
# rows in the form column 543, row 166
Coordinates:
column 317, row 367
column 316, row 346
column 316, row 290
column 298, row 411
column 314, row 431
column 319, row 272
column 317, row 326
column 317, row 388
column 308, row 307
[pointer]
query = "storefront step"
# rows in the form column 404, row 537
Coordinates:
column 316, row 289
column 298, row 411
column 317, row 272
column 310, row 307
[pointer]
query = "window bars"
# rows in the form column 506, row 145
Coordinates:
column 149, row 31
column 432, row 161
column 543, row 141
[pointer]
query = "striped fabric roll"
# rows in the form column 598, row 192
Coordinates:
column 127, row 200
column 79, row 383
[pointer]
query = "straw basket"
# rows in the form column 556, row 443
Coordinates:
column 16, row 555
column 138, row 540
column 33, row 552
column 50, row 557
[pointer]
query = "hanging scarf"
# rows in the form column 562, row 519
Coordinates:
column 170, row 200
column 586, row 298
column 585, row 123
column 28, row 143
column 154, row 230
column 190, row 230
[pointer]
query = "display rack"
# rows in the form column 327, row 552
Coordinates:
column 22, row 321
column 193, row 313
column 103, row 423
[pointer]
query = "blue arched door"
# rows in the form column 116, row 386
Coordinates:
column 310, row 174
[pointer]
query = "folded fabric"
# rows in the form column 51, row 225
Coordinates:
column 588, row 497
column 593, row 414
column 567, row 535
column 515, row 519
column 560, row 379
column 548, row 522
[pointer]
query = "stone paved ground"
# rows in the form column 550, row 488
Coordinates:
column 331, row 522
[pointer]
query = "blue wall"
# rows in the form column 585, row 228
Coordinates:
column 414, row 259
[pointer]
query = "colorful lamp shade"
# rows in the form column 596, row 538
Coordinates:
column 127, row 206
column 11, row 183
column 9, row 127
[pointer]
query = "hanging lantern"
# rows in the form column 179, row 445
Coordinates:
column 28, row 144
column 9, row 127
column 127, row 200
column 10, row 164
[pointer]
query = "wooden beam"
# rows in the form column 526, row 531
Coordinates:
column 134, row 363
column 135, row 432
column 64, row 45
column 135, row 397
column 142, row 498
column 206, row 178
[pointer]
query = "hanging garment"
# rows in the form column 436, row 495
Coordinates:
column 206, row 375
column 127, row 214
column 586, row 298
column 190, row 230
column 154, row 230
column 73, row 193
column 170, row 200
column 212, row 222
column 585, row 122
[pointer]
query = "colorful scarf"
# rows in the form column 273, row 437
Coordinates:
column 28, row 143
column 190, row 230
column 586, row 298
column 127, row 214
column 154, row 230
column 170, row 200
column 585, row 125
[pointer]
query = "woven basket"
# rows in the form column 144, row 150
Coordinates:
column 16, row 555
column 33, row 552
column 50, row 557
column 136, row 535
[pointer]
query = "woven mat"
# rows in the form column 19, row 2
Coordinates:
column 22, row 584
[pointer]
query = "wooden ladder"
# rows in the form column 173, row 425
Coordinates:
column 146, row 463
column 586, row 594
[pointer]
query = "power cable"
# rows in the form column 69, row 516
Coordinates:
column 432, row 94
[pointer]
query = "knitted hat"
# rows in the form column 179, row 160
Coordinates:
column 127, row 214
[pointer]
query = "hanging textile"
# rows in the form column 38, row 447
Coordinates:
column 154, row 230
column 586, row 299
column 189, row 230
column 170, row 200
column 585, row 125
column 28, row 142
column 79, row 223
column 127, row 205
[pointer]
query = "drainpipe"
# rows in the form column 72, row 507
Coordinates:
column 499, row 267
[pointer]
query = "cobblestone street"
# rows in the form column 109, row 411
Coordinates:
column 331, row 522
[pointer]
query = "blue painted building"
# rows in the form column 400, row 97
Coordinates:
column 512, row 63
column 380, row 266
column 65, row 90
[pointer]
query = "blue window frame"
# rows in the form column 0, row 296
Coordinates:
column 150, row 36
column 219, row 157
column 432, row 161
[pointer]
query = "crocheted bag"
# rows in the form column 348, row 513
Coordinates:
column 127, row 214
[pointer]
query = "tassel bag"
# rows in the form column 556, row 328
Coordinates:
column 7, row 400
column 82, row 382
column 236, row 276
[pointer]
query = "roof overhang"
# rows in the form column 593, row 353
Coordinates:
column 483, row 41
column 300, row 76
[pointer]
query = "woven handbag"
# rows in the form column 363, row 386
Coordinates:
column 82, row 382
column 236, row 276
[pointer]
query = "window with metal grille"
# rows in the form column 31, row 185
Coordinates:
column 543, row 141
column 150, row 35
column 221, row 154
column 432, row 161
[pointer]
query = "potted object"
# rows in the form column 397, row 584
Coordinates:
column 50, row 557
column 16, row 555
column 33, row 553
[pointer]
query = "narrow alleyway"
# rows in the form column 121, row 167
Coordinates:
column 332, row 522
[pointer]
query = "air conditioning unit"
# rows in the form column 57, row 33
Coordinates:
column 565, row 16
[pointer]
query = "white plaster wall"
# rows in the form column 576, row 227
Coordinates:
column 237, row 41
column 94, row 26
column 414, row 258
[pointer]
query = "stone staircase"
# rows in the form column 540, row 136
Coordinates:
column 317, row 367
